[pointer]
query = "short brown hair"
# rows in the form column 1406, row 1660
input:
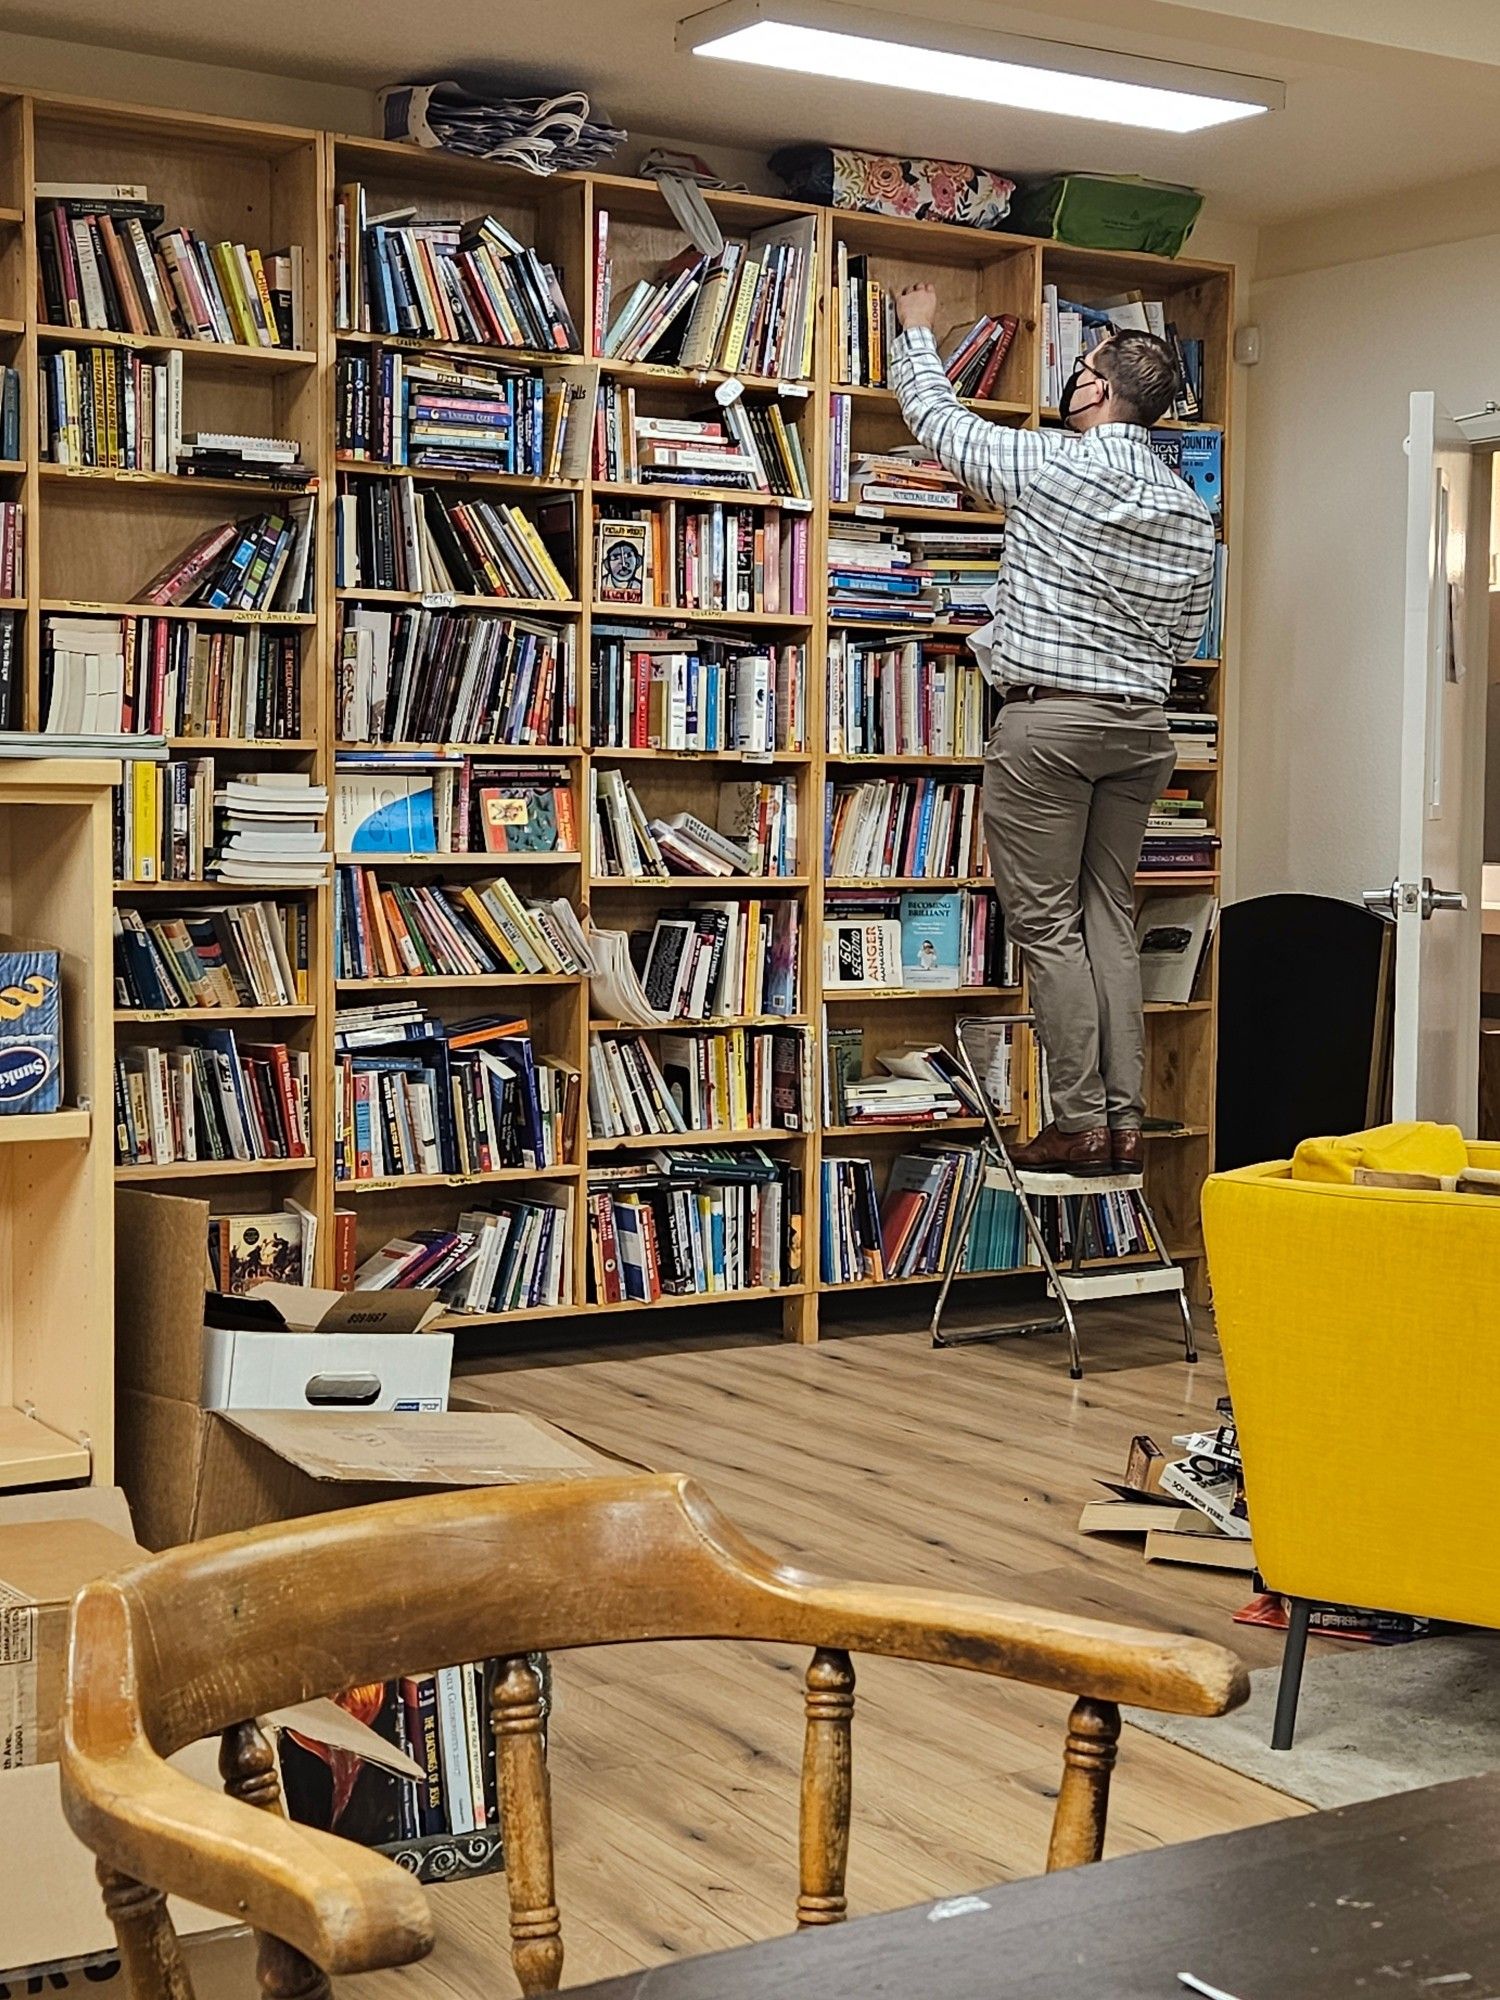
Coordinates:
column 1143, row 373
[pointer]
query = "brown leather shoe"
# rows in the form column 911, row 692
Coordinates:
column 1127, row 1148
column 1057, row 1152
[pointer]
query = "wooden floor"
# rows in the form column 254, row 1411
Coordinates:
column 675, row 1768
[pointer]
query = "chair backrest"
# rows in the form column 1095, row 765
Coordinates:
column 1357, row 1325
column 202, row 1639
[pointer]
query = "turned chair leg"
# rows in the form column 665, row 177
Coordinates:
column 1289, row 1686
column 247, row 1764
column 526, row 1824
column 149, row 1951
column 1082, row 1812
column 827, row 1784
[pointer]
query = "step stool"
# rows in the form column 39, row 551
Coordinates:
column 1073, row 1285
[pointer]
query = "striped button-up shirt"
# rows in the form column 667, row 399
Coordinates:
column 1107, row 575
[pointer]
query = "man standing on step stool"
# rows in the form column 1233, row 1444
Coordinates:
column 1104, row 588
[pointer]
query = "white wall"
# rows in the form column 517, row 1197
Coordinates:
column 1322, row 534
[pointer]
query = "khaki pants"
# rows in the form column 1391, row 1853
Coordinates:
column 1068, row 787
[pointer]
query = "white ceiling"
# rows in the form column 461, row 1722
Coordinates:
column 1362, row 118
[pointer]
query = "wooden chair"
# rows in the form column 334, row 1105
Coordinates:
column 201, row 1640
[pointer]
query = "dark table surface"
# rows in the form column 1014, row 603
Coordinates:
column 1399, row 1896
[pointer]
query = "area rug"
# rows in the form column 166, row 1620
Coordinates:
column 1372, row 1720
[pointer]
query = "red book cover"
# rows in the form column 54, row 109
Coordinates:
column 1008, row 325
column 344, row 1238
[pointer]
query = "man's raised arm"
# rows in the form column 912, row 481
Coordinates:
column 994, row 461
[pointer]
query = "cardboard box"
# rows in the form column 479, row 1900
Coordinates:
column 291, row 1347
column 51, row 1545
column 190, row 1473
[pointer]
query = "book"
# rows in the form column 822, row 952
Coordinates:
column 931, row 940
column 620, row 562
column 856, row 953
column 1172, row 936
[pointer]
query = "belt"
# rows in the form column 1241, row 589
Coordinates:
column 1034, row 693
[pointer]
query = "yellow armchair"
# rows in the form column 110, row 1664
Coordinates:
column 1361, row 1335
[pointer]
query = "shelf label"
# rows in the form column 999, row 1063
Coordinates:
column 438, row 600
column 867, row 510
column 794, row 388
column 796, row 506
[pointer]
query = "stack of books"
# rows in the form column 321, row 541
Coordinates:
column 718, row 961
column 1195, row 735
column 106, row 262
column 272, row 829
column 748, row 445
column 976, row 354
column 511, row 1257
column 904, row 477
column 1179, row 836
column 223, row 955
column 414, row 1095
column 958, row 568
column 110, row 407
column 627, row 842
column 266, row 461
column 928, row 827
column 212, row 1098
column 260, row 564
column 437, row 676
column 748, row 309
column 695, row 1221
column 733, row 1080
column 658, row 688
column 721, row 558
column 545, row 415
column 871, row 580
column 908, row 1232
column 172, row 677
column 420, row 930
column 904, row 698
column 444, row 280
column 393, row 534
column 899, row 1100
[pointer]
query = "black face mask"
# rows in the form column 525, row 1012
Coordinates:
column 1070, row 390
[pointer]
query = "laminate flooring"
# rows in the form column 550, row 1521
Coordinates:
column 870, row 1455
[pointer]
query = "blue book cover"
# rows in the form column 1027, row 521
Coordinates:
column 384, row 812
column 931, row 937
column 1202, row 467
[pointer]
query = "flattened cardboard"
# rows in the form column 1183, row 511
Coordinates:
column 391, row 1448
column 52, row 1911
column 305, row 1309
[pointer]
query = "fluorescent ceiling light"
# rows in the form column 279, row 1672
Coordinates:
column 851, row 45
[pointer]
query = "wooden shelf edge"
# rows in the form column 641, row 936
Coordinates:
column 32, row 1453
column 38, row 1127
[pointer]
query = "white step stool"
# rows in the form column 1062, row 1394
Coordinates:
column 1072, row 1285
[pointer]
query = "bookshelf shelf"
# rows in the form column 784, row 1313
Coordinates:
column 210, row 353
column 530, row 607
column 46, row 1127
column 725, row 496
column 722, row 1136
column 722, row 1298
column 197, row 1170
column 873, row 1127
column 676, row 614
column 81, row 607
column 93, row 540
column 34, row 1454
column 126, row 1017
column 499, row 1177
column 437, row 475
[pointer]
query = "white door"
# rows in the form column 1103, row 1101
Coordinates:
column 1437, row 892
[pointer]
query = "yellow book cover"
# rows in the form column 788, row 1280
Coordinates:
column 732, row 346
column 241, row 319
column 475, row 904
column 74, row 426
column 527, row 530
column 262, row 285
column 144, row 833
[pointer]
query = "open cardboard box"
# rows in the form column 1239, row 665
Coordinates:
column 191, row 1473
column 292, row 1347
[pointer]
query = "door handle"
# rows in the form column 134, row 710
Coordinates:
column 1411, row 899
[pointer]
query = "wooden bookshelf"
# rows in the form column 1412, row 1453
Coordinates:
column 57, row 1297
column 93, row 540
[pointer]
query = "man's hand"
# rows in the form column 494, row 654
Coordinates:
column 917, row 306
